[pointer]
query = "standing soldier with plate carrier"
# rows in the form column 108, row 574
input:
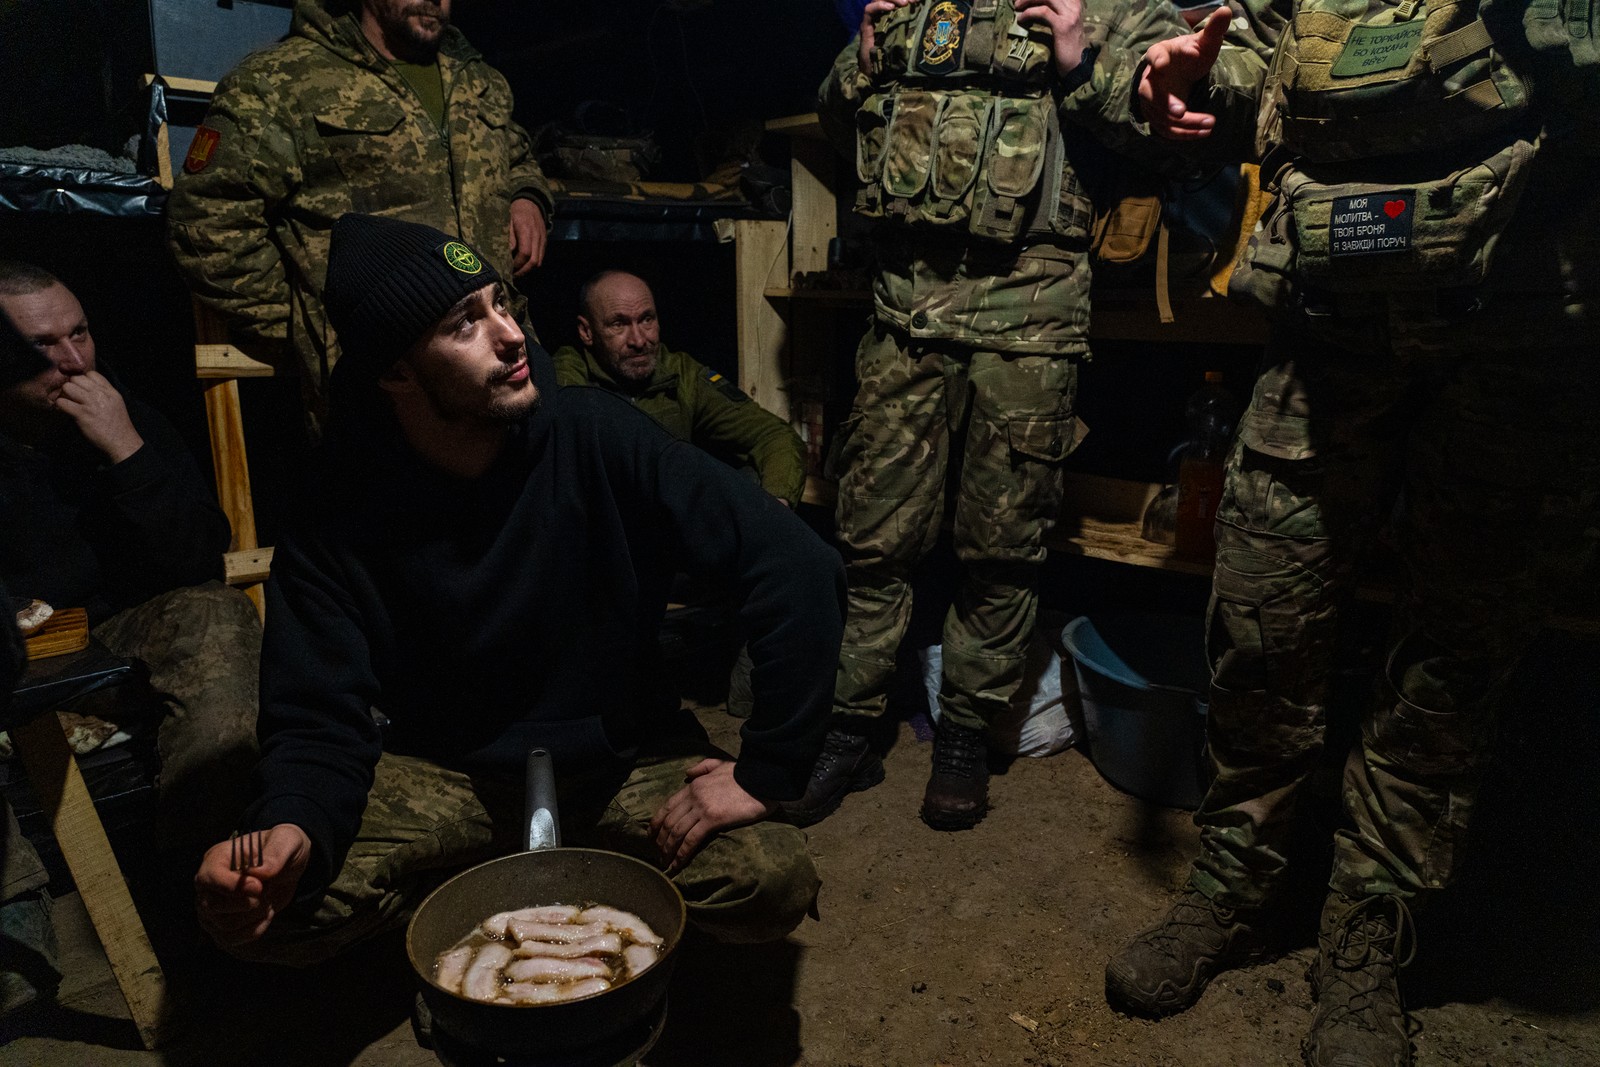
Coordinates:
column 968, row 122
column 1431, row 263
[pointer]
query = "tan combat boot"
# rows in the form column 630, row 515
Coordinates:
column 1165, row 969
column 1359, row 1022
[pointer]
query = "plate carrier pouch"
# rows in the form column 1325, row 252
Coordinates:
column 1357, row 79
column 1342, row 228
column 965, row 136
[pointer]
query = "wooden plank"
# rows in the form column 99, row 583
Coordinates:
column 815, row 212
column 164, row 156
column 828, row 298
column 761, row 260
column 247, row 566
column 226, row 361
column 60, row 788
column 822, row 492
column 65, row 631
column 185, row 85
column 228, row 460
column 807, row 125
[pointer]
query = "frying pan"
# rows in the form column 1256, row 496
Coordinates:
column 545, row 874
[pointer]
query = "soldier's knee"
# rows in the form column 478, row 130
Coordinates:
column 1437, row 718
column 764, row 887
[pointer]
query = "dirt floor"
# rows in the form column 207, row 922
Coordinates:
column 986, row 947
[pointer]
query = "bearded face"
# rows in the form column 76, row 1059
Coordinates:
column 411, row 29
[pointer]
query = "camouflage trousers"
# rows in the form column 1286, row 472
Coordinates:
column 931, row 425
column 425, row 823
column 1484, row 454
column 202, row 648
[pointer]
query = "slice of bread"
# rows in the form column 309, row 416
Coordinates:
column 31, row 618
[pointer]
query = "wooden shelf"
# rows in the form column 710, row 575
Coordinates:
column 822, row 297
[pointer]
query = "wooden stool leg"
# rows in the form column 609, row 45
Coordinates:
column 56, row 778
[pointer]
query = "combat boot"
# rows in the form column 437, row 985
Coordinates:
column 1165, row 969
column 957, row 797
column 1361, row 946
column 846, row 765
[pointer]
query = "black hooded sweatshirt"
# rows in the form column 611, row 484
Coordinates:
column 482, row 617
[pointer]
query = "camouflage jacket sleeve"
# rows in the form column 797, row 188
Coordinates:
column 840, row 97
column 527, row 180
column 729, row 424
column 1107, row 104
column 218, row 217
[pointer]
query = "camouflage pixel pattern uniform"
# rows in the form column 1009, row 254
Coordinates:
column 320, row 125
column 424, row 823
column 967, row 378
column 1477, row 430
column 696, row 404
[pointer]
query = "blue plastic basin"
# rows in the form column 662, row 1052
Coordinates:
column 1142, row 680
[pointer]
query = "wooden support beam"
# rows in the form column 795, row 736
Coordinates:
column 761, row 255
column 56, row 780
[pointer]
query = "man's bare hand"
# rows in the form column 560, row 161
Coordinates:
column 528, row 232
column 711, row 802
column 236, row 907
column 1064, row 20
column 101, row 414
column 1172, row 69
column 869, row 33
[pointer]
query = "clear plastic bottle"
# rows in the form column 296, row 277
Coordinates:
column 1212, row 413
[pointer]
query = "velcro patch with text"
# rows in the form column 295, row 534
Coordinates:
column 1372, row 224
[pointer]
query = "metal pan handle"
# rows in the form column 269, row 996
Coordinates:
column 541, row 820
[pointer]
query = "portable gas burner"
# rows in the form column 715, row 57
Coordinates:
column 623, row 1050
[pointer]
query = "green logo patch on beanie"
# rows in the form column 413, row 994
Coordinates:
column 462, row 258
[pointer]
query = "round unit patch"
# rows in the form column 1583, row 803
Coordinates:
column 462, row 258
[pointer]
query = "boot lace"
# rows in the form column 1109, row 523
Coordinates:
column 957, row 751
column 838, row 747
column 1195, row 918
column 1374, row 938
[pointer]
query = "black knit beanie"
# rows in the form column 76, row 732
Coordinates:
column 389, row 282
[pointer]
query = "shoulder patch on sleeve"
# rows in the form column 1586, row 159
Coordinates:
column 201, row 149
column 725, row 387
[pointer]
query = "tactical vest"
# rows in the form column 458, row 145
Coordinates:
column 964, row 133
column 1360, row 79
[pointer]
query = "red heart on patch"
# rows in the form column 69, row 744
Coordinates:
column 1394, row 208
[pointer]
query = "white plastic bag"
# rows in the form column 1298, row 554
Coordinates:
column 1038, row 723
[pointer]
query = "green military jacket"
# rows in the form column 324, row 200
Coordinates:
column 696, row 404
column 1031, row 296
column 319, row 125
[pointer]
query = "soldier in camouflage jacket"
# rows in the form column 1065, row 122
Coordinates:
column 322, row 124
column 1414, row 385
column 967, row 123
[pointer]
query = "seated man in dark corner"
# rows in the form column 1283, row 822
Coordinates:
column 484, row 564
column 622, row 352
column 102, row 507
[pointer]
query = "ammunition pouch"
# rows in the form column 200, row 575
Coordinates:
column 967, row 160
column 1400, row 78
column 1396, row 229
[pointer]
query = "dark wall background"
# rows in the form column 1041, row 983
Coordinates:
column 681, row 69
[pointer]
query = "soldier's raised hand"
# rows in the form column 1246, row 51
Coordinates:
column 1172, row 69
column 1064, row 20
column 102, row 417
column 869, row 33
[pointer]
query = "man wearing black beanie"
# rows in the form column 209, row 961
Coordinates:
column 481, row 568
